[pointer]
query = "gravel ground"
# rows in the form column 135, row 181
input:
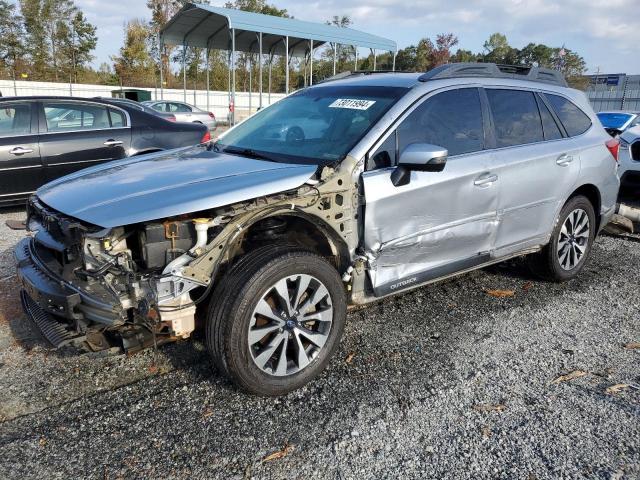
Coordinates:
column 444, row 382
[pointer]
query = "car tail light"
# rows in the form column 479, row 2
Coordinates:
column 212, row 115
column 614, row 147
column 206, row 138
column 171, row 118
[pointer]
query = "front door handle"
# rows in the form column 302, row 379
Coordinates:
column 485, row 180
column 113, row 143
column 20, row 150
column 564, row 160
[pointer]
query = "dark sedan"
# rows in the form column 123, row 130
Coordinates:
column 43, row 138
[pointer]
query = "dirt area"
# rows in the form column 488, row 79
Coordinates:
column 491, row 375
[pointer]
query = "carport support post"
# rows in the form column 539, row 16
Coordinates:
column 356, row 62
column 160, row 46
column 269, row 85
column 260, row 69
column 184, row 72
column 250, row 79
column 335, row 56
column 207, row 55
column 286, row 65
column 374, row 58
column 394, row 61
column 310, row 62
column 233, row 75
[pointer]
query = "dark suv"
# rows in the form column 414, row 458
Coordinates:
column 43, row 138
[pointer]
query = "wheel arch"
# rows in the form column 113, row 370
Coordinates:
column 592, row 193
column 308, row 231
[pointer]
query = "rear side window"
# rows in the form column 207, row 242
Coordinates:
column 63, row 116
column 15, row 120
column 451, row 119
column 575, row 121
column 117, row 118
column 549, row 125
column 515, row 117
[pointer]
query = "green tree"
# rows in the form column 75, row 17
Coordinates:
column 464, row 56
column 11, row 35
column 36, row 38
column 498, row 50
column 134, row 65
column 78, row 41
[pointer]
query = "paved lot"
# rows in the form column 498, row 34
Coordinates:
column 445, row 382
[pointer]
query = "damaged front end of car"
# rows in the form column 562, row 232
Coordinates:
column 139, row 285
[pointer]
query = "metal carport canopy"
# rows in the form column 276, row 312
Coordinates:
column 204, row 26
column 207, row 27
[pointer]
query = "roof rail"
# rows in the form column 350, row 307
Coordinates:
column 342, row 75
column 493, row 70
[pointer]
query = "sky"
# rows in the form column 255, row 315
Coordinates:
column 603, row 32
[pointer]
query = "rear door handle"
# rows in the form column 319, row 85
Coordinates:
column 485, row 180
column 20, row 150
column 113, row 143
column 564, row 160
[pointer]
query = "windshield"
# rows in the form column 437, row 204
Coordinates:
column 314, row 126
column 614, row 120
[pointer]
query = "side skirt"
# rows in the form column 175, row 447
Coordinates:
column 437, row 274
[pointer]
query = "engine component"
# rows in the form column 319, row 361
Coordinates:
column 163, row 242
column 180, row 315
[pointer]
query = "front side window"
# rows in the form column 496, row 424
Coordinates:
column 62, row 116
column 318, row 125
column 516, row 117
column 15, row 119
column 575, row 121
column 452, row 119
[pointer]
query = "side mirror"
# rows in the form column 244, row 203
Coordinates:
column 419, row 156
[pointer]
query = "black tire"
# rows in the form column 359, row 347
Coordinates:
column 231, row 311
column 546, row 263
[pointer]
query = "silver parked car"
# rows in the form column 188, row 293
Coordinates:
column 268, row 237
column 630, row 162
column 184, row 112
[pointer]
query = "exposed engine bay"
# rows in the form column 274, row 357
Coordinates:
column 140, row 285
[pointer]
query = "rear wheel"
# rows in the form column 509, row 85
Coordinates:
column 275, row 319
column 568, row 250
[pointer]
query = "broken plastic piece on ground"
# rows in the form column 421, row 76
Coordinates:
column 16, row 224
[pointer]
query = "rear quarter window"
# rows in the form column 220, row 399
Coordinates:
column 575, row 121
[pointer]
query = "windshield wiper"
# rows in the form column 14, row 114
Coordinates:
column 248, row 152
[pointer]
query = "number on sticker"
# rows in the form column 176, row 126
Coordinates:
column 352, row 103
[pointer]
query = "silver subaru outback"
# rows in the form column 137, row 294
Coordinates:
column 382, row 182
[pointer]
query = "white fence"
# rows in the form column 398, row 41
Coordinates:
column 218, row 101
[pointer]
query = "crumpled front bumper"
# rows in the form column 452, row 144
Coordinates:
column 58, row 297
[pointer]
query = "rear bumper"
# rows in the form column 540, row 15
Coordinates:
column 58, row 297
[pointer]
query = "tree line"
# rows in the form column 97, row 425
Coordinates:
column 51, row 40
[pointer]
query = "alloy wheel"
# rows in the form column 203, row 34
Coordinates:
column 290, row 325
column 573, row 239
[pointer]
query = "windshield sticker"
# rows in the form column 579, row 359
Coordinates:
column 352, row 103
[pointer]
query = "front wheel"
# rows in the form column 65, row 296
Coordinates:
column 568, row 250
column 275, row 319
